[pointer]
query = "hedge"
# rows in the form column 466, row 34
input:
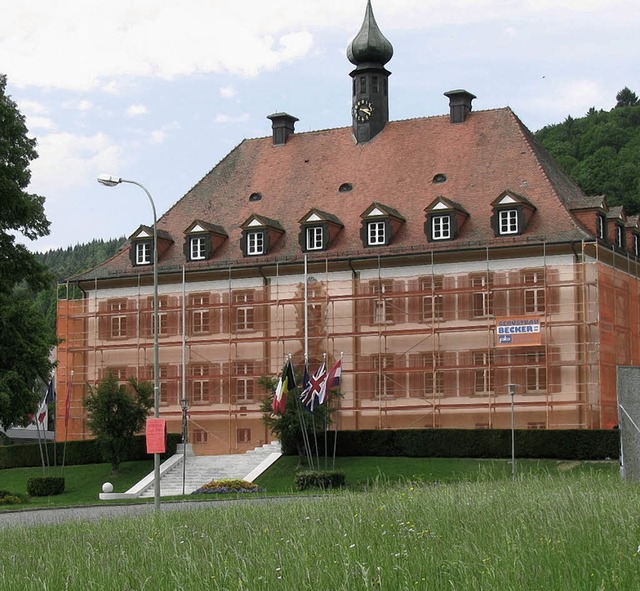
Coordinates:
column 566, row 444
column 23, row 455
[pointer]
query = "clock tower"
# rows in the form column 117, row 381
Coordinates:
column 369, row 52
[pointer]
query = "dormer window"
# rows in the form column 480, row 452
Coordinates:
column 318, row 229
column 376, row 233
column 511, row 214
column 441, row 227
column 255, row 243
column 444, row 219
column 259, row 235
column 143, row 253
column 636, row 245
column 202, row 239
column 619, row 236
column 601, row 226
column 314, row 238
column 379, row 225
column 508, row 223
column 197, row 248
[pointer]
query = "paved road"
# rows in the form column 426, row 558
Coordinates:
column 97, row 512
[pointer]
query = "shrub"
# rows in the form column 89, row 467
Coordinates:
column 7, row 498
column 319, row 479
column 228, row 486
column 45, row 486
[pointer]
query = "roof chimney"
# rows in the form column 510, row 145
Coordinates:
column 459, row 105
column 282, row 126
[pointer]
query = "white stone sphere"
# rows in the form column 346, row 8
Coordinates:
column 107, row 487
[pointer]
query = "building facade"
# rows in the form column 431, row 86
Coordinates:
column 442, row 258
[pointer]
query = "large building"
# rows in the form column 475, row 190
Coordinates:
column 443, row 258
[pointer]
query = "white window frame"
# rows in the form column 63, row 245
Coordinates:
column 200, row 391
column 314, row 237
column 534, row 293
column 143, row 253
column 508, row 222
column 197, row 248
column 244, row 381
column 483, row 373
column 244, row 315
column 619, row 236
column 255, row 243
column 200, row 315
column 441, row 227
column 376, row 233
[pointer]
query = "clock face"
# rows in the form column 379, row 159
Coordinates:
column 362, row 110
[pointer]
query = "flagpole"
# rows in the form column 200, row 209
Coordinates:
column 67, row 404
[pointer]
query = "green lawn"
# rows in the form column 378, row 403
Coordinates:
column 365, row 471
column 83, row 484
column 569, row 531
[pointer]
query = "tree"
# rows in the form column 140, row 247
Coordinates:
column 115, row 413
column 24, row 353
column 626, row 98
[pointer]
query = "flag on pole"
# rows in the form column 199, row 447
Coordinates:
column 333, row 379
column 286, row 382
column 315, row 390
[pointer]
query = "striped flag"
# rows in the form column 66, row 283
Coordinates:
column 332, row 381
column 315, row 389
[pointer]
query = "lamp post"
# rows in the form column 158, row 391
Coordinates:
column 111, row 181
column 512, row 391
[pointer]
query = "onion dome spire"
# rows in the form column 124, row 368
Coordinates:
column 369, row 45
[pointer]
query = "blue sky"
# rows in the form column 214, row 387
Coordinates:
column 160, row 91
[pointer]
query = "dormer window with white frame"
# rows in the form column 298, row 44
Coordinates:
column 636, row 245
column 255, row 243
column 376, row 233
column 197, row 248
column 314, row 238
column 202, row 239
column 619, row 236
column 143, row 253
column 601, row 226
column 444, row 220
column 511, row 214
column 318, row 229
column 259, row 234
column 379, row 225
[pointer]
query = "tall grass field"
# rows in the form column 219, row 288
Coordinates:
column 573, row 532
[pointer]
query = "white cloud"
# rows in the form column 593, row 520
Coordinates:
column 228, row 92
column 573, row 97
column 223, row 118
column 67, row 160
column 136, row 109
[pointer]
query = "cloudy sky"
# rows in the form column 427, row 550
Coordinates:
column 159, row 91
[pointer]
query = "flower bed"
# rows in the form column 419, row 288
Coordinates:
column 228, row 486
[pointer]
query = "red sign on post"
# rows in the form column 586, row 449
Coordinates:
column 155, row 432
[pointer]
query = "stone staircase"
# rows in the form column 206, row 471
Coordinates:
column 199, row 470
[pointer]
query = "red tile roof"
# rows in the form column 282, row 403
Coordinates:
column 491, row 152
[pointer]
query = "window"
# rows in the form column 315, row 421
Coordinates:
column 376, row 234
column 314, row 238
column 434, row 378
column 244, row 310
column 534, row 294
column 536, row 425
column 118, row 320
column 143, row 253
column 363, row 84
column 198, row 436
column 536, row 371
column 483, row 382
column 384, row 382
column 619, row 236
column 432, row 301
column 375, row 86
column 441, row 227
column 200, row 315
column 244, row 381
column 601, row 226
column 200, row 384
column 243, row 435
column 636, row 245
column 482, row 297
column 255, row 243
column 382, row 304
column 198, row 248
column 508, row 221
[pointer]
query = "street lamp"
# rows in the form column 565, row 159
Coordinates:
column 111, row 181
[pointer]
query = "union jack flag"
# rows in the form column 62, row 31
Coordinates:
column 315, row 389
